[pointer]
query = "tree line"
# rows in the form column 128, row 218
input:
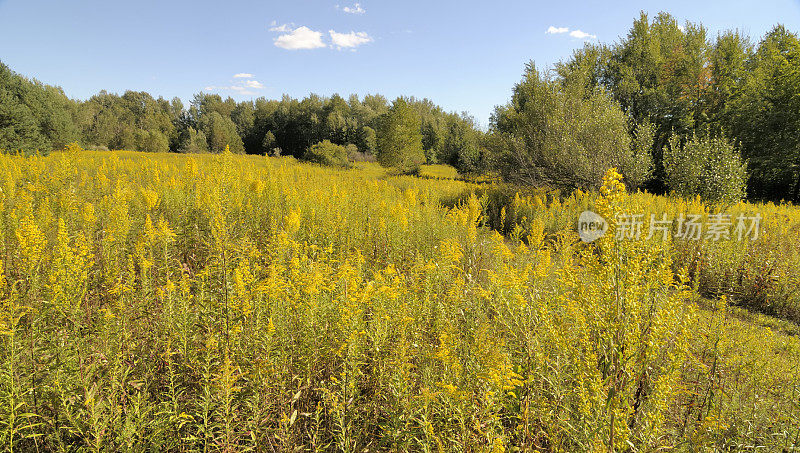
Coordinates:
column 673, row 108
column 718, row 114
column 34, row 116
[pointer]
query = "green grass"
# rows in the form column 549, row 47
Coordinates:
column 168, row 302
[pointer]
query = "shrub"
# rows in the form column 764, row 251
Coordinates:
column 328, row 154
column 560, row 136
column 356, row 155
column 709, row 167
column 151, row 141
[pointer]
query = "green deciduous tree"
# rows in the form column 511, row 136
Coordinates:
column 18, row 128
column 151, row 141
column 660, row 73
column 461, row 144
column 559, row 135
column 221, row 132
column 367, row 140
column 764, row 115
column 34, row 116
column 587, row 66
column 193, row 141
column 268, row 142
column 400, row 138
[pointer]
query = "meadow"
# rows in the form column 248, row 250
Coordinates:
column 171, row 302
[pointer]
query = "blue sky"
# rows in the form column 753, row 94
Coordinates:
column 465, row 56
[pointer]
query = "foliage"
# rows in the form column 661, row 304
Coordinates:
column 461, row 146
column 193, row 141
column 684, row 83
column 560, row 136
column 131, row 121
column 764, row 114
column 151, row 141
column 326, row 153
column 33, row 116
column 660, row 73
column 708, row 167
column 639, row 168
column 221, row 132
column 400, row 139
column 367, row 141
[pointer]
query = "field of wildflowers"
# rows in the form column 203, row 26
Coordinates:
column 165, row 302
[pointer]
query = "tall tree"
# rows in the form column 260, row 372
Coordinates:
column 18, row 128
column 400, row 138
column 34, row 116
column 221, row 132
column 729, row 58
column 660, row 73
column 765, row 116
column 461, row 144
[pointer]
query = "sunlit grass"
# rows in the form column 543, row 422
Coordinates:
column 438, row 171
column 218, row 302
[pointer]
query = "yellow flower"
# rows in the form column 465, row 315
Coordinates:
column 87, row 213
column 31, row 243
column 292, row 222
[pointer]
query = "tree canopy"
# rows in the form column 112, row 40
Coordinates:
column 661, row 87
column 400, row 138
column 690, row 85
column 559, row 135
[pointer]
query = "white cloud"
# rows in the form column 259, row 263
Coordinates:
column 240, row 87
column 556, row 30
column 349, row 40
column 282, row 28
column 574, row 33
column 300, row 38
column 243, row 75
column 273, row 26
column 253, row 84
column 581, row 35
column 355, row 9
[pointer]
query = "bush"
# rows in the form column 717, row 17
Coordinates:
column 560, row 136
column 355, row 155
column 709, row 167
column 151, row 141
column 328, row 154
